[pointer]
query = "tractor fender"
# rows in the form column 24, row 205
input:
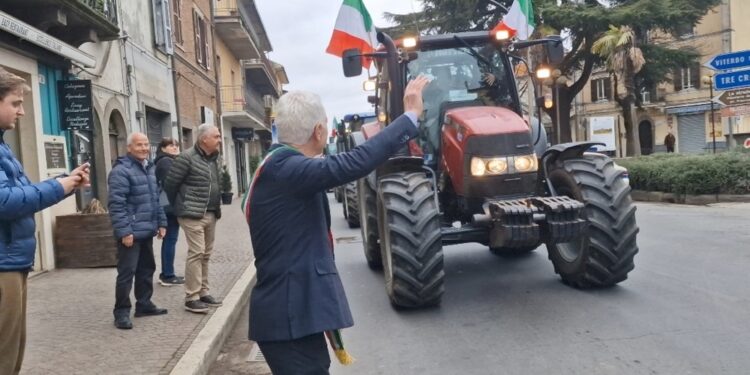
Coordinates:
column 401, row 164
column 564, row 151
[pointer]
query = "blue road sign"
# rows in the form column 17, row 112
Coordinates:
column 732, row 80
column 732, row 60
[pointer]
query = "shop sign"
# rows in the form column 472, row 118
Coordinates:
column 76, row 110
column 26, row 32
column 243, row 134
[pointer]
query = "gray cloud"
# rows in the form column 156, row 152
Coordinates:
column 300, row 31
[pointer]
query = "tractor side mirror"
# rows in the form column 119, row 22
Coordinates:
column 372, row 99
column 555, row 51
column 352, row 61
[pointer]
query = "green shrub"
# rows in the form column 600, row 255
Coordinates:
column 725, row 173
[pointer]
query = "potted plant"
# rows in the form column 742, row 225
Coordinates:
column 226, row 186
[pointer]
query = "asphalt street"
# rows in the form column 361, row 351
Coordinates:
column 684, row 309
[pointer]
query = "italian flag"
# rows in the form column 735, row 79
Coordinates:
column 354, row 29
column 520, row 17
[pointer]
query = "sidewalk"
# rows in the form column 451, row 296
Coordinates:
column 70, row 322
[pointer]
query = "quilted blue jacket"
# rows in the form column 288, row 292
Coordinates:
column 134, row 199
column 19, row 201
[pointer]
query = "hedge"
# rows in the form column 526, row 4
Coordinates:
column 725, row 173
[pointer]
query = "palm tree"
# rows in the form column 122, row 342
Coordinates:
column 624, row 60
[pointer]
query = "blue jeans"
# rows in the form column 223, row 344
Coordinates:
column 168, row 245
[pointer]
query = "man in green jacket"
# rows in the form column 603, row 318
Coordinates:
column 192, row 187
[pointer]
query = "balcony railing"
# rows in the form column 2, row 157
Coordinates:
column 106, row 8
column 239, row 98
column 269, row 69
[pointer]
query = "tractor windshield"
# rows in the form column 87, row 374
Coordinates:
column 461, row 76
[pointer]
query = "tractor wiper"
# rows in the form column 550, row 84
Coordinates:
column 473, row 53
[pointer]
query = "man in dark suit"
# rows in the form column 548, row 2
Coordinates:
column 299, row 294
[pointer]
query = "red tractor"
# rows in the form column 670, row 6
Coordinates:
column 480, row 173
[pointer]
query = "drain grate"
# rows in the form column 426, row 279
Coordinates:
column 256, row 355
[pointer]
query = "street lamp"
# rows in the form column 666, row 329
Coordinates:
column 556, row 78
column 709, row 80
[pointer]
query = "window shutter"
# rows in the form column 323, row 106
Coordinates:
column 594, row 84
column 156, row 20
column 167, row 19
column 695, row 75
column 206, row 51
column 608, row 88
column 677, row 78
column 197, row 32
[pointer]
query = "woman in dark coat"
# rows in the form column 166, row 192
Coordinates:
column 168, row 151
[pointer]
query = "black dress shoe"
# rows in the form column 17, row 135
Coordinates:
column 153, row 311
column 123, row 322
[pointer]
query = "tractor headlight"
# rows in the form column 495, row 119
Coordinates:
column 478, row 166
column 503, row 165
column 525, row 163
column 497, row 165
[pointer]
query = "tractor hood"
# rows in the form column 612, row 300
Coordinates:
column 486, row 121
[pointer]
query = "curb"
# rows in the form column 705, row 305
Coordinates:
column 702, row 199
column 204, row 350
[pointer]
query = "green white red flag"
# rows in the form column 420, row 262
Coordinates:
column 520, row 17
column 354, row 29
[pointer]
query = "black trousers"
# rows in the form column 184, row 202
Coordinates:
column 303, row 356
column 136, row 262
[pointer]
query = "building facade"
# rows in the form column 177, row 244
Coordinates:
column 45, row 43
column 681, row 106
column 249, row 84
column 194, row 67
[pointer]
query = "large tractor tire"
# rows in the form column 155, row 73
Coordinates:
column 352, row 204
column 604, row 256
column 368, row 220
column 411, row 246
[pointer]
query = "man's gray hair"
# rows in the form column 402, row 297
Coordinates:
column 297, row 113
column 132, row 135
column 203, row 129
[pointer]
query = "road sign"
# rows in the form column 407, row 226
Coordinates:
column 732, row 80
column 732, row 60
column 747, row 143
column 734, row 98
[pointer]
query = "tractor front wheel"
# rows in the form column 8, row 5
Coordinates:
column 411, row 245
column 604, row 256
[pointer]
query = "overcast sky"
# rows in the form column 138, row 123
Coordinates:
column 300, row 31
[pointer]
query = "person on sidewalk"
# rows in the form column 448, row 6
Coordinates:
column 298, row 298
column 19, row 201
column 136, row 218
column 165, row 155
column 192, row 187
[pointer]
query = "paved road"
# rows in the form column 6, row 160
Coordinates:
column 684, row 310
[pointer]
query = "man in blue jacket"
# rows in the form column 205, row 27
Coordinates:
column 299, row 295
column 19, row 201
column 136, row 218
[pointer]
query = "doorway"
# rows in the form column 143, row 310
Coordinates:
column 646, row 135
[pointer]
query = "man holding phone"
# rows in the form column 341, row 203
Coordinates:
column 19, row 201
column 136, row 218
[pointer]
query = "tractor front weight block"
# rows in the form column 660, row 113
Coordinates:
column 530, row 221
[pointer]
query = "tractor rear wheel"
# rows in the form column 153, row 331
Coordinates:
column 411, row 245
column 368, row 220
column 604, row 256
column 352, row 205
